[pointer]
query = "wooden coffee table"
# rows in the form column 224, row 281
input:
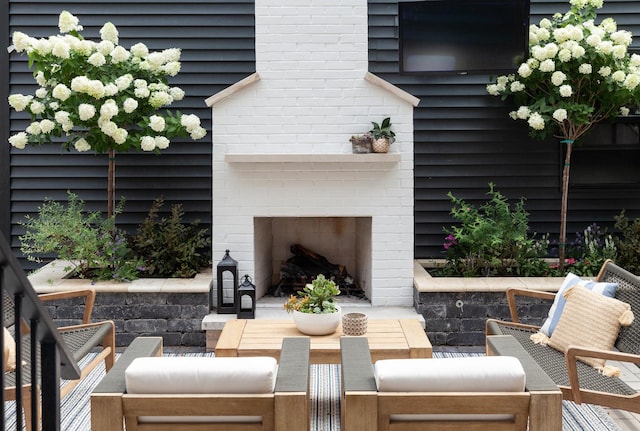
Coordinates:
column 388, row 339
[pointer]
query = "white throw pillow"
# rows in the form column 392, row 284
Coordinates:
column 197, row 375
column 606, row 289
column 469, row 374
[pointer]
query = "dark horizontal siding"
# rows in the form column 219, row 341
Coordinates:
column 217, row 40
column 464, row 139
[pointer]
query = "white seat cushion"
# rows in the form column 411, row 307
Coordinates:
column 197, row 375
column 470, row 374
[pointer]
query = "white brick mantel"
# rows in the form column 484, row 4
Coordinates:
column 281, row 141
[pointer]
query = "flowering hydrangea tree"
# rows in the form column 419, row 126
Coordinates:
column 100, row 96
column 578, row 73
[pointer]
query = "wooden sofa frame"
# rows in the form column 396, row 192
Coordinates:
column 366, row 409
column 287, row 408
column 580, row 382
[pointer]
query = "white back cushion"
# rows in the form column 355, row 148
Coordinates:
column 469, row 374
column 197, row 375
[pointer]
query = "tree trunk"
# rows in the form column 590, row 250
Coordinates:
column 111, row 182
column 563, row 210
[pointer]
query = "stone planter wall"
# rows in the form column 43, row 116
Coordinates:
column 170, row 308
column 455, row 309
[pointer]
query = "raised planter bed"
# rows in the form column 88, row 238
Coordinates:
column 455, row 309
column 169, row 307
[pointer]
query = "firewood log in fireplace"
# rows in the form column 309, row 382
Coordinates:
column 305, row 265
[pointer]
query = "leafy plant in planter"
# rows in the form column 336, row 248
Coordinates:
column 315, row 298
column 169, row 247
column 382, row 134
column 91, row 242
column 492, row 239
column 628, row 243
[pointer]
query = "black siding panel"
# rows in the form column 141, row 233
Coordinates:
column 464, row 139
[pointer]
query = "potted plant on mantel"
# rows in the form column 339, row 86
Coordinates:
column 383, row 136
column 314, row 309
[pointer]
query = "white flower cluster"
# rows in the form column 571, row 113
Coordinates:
column 573, row 65
column 112, row 97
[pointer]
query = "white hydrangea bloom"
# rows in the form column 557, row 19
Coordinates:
column 162, row 142
column 148, row 143
column 119, row 54
column 86, row 111
column 120, row 136
column 517, row 86
column 105, row 47
column 566, row 90
column 37, row 107
column 560, row 115
column 139, row 50
column 82, row 145
column 621, row 37
column 60, row 48
column 605, row 47
column 109, row 109
column 547, row 66
column 34, row 128
column 61, row 92
column 19, row 102
column 631, row 81
column 524, row 70
column 130, row 105
column 123, row 82
column 109, row 32
column 97, row 59
column 619, row 51
column 634, row 61
column 604, row 71
column 21, row 41
column 585, row 68
column 198, row 133
column 67, row 22
column 523, row 112
column 624, row 111
column 110, row 89
column 47, row 126
column 557, row 78
column 190, row 122
column 609, row 25
column 176, row 93
column 536, row 121
column 619, row 76
column 19, row 140
column 578, row 51
column 156, row 123
column 159, row 98
column 564, row 55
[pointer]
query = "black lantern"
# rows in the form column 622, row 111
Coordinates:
column 227, row 283
column 246, row 299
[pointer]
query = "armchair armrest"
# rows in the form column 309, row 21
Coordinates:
column 572, row 369
column 88, row 294
column 512, row 293
column 293, row 369
column 357, row 368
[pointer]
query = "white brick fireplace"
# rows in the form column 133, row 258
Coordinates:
column 283, row 169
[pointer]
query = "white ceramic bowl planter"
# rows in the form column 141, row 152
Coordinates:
column 317, row 324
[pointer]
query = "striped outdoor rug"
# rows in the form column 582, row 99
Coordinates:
column 325, row 403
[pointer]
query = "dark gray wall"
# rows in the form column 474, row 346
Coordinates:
column 464, row 139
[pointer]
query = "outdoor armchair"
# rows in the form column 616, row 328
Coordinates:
column 230, row 393
column 578, row 381
column 379, row 398
column 97, row 337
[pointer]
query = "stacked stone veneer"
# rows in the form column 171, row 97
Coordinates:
column 459, row 318
column 308, row 96
column 176, row 317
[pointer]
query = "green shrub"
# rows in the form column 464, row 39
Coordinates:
column 91, row 242
column 169, row 247
column 492, row 239
column 628, row 243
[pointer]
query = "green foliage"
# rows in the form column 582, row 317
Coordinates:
column 588, row 251
column 492, row 239
column 628, row 243
column 315, row 298
column 382, row 130
column 169, row 247
column 96, row 247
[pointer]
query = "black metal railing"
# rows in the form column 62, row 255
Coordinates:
column 47, row 358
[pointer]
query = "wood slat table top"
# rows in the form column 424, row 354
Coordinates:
column 394, row 338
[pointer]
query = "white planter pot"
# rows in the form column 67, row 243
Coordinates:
column 317, row 324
